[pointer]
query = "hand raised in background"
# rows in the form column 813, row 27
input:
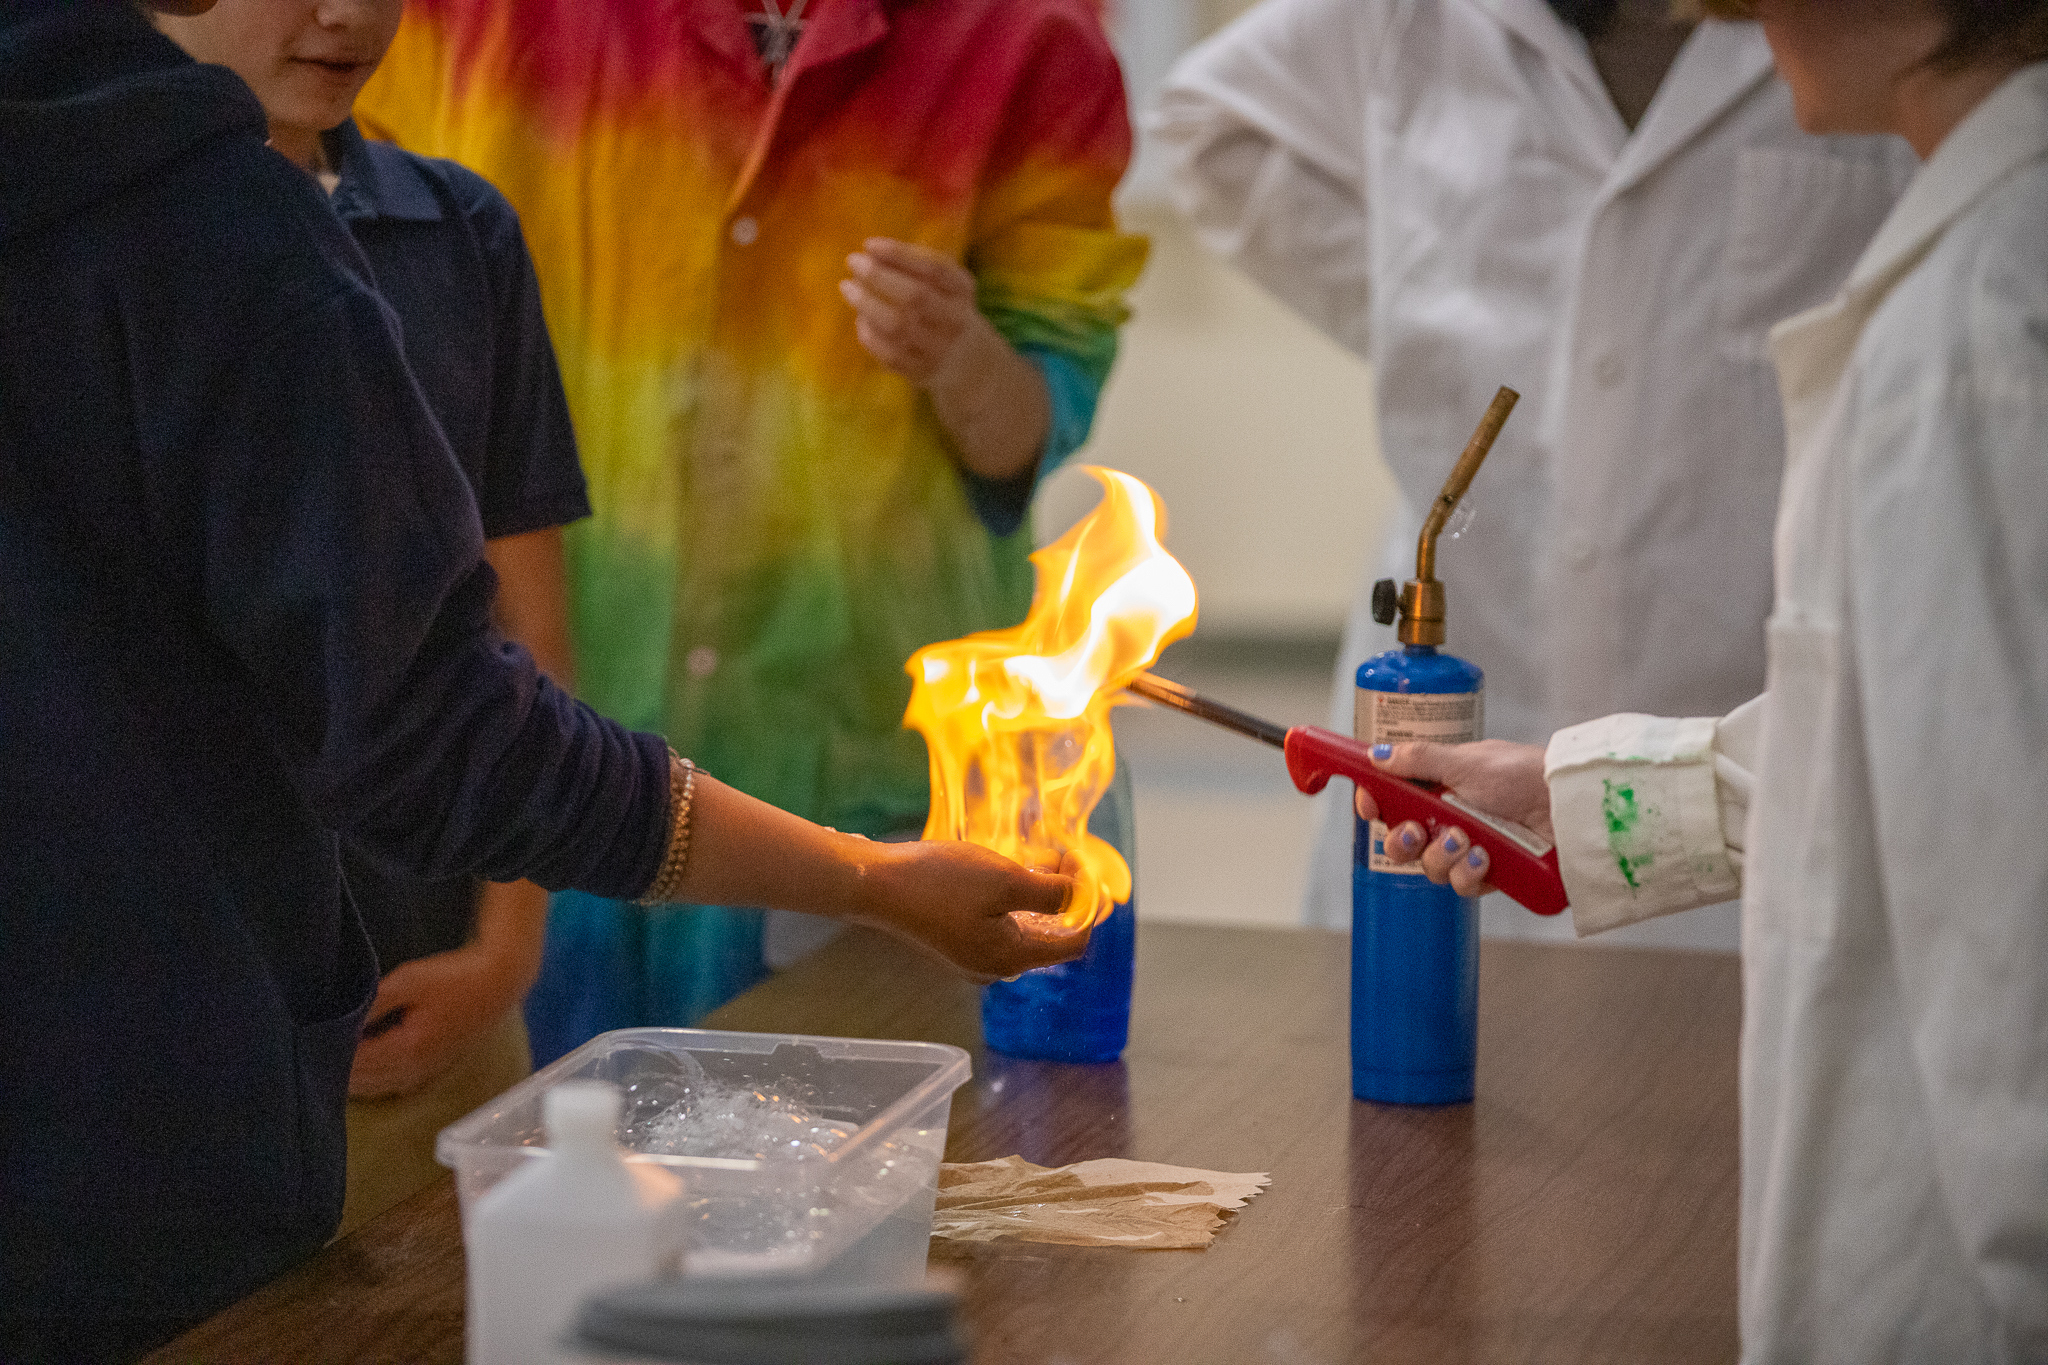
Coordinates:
column 915, row 311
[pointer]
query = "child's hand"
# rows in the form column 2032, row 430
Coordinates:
column 914, row 311
column 974, row 908
column 427, row 1012
column 1498, row 777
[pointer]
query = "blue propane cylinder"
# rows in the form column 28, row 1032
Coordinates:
column 1078, row 1011
column 1414, row 944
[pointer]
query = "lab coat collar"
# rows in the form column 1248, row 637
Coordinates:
column 1719, row 65
column 1538, row 25
column 1812, row 350
column 1592, row 117
column 2008, row 130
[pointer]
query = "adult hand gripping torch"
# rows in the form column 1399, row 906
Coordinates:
column 1522, row 864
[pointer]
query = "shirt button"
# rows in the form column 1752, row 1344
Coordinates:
column 701, row 661
column 1607, row 370
column 745, row 230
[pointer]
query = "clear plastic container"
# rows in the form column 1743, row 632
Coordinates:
column 859, row 1211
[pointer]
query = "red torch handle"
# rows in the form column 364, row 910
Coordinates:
column 1522, row 864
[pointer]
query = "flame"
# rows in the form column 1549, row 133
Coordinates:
column 1017, row 721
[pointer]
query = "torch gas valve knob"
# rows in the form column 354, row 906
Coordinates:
column 1386, row 601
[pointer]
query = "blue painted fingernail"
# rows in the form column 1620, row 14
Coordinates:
column 1452, row 843
column 1475, row 857
column 1410, row 839
column 1382, row 752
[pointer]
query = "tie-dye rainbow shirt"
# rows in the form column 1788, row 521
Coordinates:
column 779, row 523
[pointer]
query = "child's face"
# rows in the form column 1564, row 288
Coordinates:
column 306, row 59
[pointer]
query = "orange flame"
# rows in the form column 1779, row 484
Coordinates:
column 1017, row 721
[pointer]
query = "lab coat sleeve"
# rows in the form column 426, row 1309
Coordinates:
column 1949, row 595
column 1649, row 813
column 1263, row 129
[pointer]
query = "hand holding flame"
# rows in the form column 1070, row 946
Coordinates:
column 985, row 914
column 975, row 909
column 1016, row 721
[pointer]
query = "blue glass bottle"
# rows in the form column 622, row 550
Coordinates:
column 1414, row 944
column 1078, row 1011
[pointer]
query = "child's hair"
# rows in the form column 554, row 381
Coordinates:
column 1977, row 29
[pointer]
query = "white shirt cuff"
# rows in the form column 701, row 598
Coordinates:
column 1638, row 817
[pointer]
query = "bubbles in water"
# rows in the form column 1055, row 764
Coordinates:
column 810, row 1196
column 775, row 1124
column 766, row 1124
column 653, row 1084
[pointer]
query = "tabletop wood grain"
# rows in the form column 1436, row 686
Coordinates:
column 1581, row 1210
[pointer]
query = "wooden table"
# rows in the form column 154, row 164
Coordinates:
column 1582, row 1210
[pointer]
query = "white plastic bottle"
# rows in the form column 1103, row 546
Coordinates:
column 580, row 1219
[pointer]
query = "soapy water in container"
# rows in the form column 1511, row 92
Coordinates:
column 672, row 1107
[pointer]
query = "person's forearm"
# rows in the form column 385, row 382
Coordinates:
column 533, row 599
column 993, row 404
column 532, row 607
column 744, row 851
column 974, row 908
column 511, row 925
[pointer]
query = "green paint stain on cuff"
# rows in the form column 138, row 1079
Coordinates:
column 1624, row 818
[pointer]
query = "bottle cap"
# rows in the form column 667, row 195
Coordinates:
column 581, row 1114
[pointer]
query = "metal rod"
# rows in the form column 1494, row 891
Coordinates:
column 1461, row 479
column 1166, row 693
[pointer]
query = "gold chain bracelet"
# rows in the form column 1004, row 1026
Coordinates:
column 682, row 786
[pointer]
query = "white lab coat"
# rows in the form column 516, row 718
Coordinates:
column 1444, row 187
column 1895, row 777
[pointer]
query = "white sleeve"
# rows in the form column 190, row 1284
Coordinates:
column 1649, row 813
column 1949, row 623
column 1263, row 127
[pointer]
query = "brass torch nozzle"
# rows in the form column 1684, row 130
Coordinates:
column 1421, row 601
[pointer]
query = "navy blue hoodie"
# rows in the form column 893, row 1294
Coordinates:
column 242, row 607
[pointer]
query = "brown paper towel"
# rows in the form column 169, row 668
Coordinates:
column 1106, row 1202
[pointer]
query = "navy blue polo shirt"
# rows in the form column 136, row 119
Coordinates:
column 447, row 254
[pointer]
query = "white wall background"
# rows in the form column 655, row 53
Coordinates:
column 1255, row 429
column 1257, row 433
